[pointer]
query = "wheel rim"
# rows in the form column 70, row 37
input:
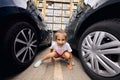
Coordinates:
column 25, row 45
column 101, row 53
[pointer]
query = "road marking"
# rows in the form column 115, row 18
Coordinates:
column 58, row 74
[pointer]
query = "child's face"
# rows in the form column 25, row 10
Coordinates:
column 61, row 40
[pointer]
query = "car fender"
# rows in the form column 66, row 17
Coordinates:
column 83, row 23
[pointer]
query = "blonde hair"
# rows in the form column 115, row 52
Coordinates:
column 60, row 32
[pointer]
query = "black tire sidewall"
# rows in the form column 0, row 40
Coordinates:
column 111, row 27
column 9, row 44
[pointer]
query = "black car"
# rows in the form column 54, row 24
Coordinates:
column 22, row 32
column 96, row 37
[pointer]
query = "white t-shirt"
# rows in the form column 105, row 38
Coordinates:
column 60, row 50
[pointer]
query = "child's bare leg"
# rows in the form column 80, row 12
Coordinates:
column 48, row 56
column 68, row 56
column 70, row 64
column 52, row 59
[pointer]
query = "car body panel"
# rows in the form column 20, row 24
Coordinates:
column 22, row 32
column 10, row 3
column 15, row 8
column 75, row 28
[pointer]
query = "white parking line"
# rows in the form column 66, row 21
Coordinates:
column 58, row 74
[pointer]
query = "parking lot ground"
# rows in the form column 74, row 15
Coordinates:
column 52, row 71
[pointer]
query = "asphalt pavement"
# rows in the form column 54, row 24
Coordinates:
column 51, row 71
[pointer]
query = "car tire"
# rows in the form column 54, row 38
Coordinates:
column 99, row 50
column 20, row 46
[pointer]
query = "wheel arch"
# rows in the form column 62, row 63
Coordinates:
column 104, row 13
column 21, row 16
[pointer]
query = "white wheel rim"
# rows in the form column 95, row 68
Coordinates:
column 99, row 50
column 25, row 45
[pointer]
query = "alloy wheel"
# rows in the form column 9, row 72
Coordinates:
column 101, row 53
column 25, row 45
